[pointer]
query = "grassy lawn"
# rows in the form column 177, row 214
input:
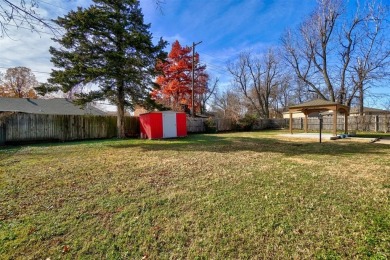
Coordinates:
column 236, row 195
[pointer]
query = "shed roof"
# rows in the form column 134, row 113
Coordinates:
column 163, row 112
column 56, row 106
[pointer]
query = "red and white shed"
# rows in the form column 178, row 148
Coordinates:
column 163, row 124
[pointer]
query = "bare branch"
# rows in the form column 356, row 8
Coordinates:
column 23, row 15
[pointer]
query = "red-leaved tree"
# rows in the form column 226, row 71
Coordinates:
column 175, row 81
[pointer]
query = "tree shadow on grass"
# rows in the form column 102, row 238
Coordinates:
column 8, row 151
column 223, row 143
column 220, row 143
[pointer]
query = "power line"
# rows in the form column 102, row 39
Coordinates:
column 34, row 25
column 215, row 67
column 44, row 2
column 213, row 57
column 31, row 70
column 25, row 17
column 219, row 70
column 30, row 29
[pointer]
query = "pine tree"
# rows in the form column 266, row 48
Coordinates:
column 175, row 81
column 108, row 45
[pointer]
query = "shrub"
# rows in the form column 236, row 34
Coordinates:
column 210, row 125
column 247, row 122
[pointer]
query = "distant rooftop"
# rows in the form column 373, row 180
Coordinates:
column 355, row 110
column 56, row 106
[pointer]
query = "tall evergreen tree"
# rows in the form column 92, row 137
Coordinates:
column 107, row 44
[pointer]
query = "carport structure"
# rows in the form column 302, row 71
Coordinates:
column 318, row 106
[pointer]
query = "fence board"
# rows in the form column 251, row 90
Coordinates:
column 2, row 133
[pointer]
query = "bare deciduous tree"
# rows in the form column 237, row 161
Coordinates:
column 228, row 104
column 337, row 56
column 19, row 82
column 205, row 97
column 257, row 79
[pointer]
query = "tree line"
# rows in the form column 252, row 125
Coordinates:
column 335, row 54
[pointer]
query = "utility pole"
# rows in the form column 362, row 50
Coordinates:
column 193, row 76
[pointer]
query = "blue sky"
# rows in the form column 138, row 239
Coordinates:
column 225, row 27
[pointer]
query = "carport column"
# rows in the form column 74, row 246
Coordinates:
column 291, row 126
column 346, row 123
column 376, row 123
column 334, row 122
column 305, row 123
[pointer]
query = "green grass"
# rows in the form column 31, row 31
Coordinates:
column 217, row 196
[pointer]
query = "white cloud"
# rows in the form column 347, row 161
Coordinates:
column 27, row 48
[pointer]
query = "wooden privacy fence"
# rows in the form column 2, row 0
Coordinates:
column 273, row 123
column 201, row 125
column 370, row 123
column 21, row 127
column 198, row 125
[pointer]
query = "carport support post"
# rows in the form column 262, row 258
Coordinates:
column 376, row 124
column 346, row 123
column 305, row 123
column 291, row 122
column 334, row 122
column 320, row 118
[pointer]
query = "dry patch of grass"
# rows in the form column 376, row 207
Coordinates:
column 238, row 195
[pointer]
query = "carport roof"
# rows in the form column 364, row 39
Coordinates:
column 315, row 103
column 318, row 105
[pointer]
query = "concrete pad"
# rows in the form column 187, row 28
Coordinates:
column 328, row 136
column 383, row 141
column 308, row 135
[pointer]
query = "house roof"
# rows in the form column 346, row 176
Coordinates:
column 56, row 106
column 355, row 110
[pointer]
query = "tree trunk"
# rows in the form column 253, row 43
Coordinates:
column 120, row 122
column 266, row 110
column 361, row 100
column 121, row 111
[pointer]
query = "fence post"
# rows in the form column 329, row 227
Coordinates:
column 376, row 123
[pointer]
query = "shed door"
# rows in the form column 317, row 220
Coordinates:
column 169, row 125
